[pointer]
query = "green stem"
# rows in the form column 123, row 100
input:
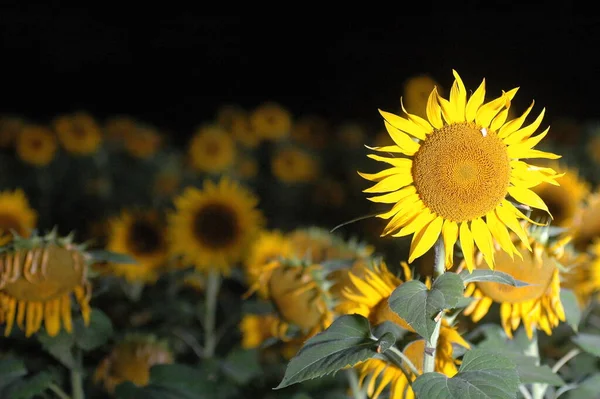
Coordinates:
column 357, row 392
column 400, row 359
column 77, row 377
column 212, row 291
column 537, row 390
column 439, row 268
column 58, row 391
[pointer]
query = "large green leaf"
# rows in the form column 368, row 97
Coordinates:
column 453, row 288
column 96, row 334
column 571, row 307
column 589, row 343
column 588, row 389
column 482, row 375
column 345, row 343
column 491, row 276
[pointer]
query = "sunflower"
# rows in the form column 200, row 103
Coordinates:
column 15, row 215
column 242, row 131
column 143, row 142
column 454, row 173
column 36, row 145
column 37, row 279
column 562, row 201
column 213, row 227
column 416, row 94
column 256, row 329
column 536, row 305
column 131, row 360
column 581, row 273
column 271, row 121
column 10, row 128
column 265, row 254
column 211, row 150
column 311, row 131
column 382, row 374
column 79, row 133
column 293, row 165
column 586, row 223
column 141, row 235
column 117, row 128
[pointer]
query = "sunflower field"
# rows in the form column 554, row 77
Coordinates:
column 451, row 250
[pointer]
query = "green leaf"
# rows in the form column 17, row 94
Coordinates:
column 59, row 347
column 418, row 306
column 30, row 387
column 453, row 288
column 241, row 366
column 588, row 389
column 99, row 255
column 482, row 374
column 185, row 380
column 96, row 334
column 490, row 276
column 11, row 369
column 346, row 342
column 589, row 343
column 530, row 373
column 571, row 307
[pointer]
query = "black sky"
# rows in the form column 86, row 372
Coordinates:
column 174, row 71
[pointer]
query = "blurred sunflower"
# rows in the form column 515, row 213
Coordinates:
column 142, row 235
column 211, row 150
column 256, row 329
column 581, row 273
column 131, row 360
column 293, row 165
column 79, row 134
column 36, row 283
column 213, row 227
column 10, row 128
column 227, row 113
column 271, row 121
column 311, row 131
column 242, row 131
column 416, row 94
column 143, row 142
column 265, row 255
column 586, row 223
column 117, row 128
column 15, row 215
column 451, row 175
column 36, row 145
column 536, row 305
column 381, row 374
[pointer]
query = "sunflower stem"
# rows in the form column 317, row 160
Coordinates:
column 439, row 268
column 533, row 350
column 212, row 291
column 58, row 391
column 77, row 377
column 357, row 392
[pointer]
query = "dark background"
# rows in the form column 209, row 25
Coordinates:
column 176, row 70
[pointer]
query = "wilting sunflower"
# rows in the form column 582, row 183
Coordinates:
column 143, row 142
column 142, row 235
column 271, row 121
column 382, row 374
column 213, row 227
column 454, row 171
column 293, row 165
column 211, row 150
column 15, row 215
column 536, row 305
column 131, row 360
column 38, row 277
column 36, row 145
column 79, row 133
column 586, row 223
column 416, row 94
column 10, row 128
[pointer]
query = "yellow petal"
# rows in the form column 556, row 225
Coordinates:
column 526, row 132
column 380, row 175
column 483, row 239
column 416, row 224
column 401, row 139
column 483, row 307
column 508, row 218
column 488, row 111
column 417, row 120
column 527, row 197
column 423, row 240
column 450, row 234
column 520, row 214
column 407, row 201
column 475, row 102
column 433, row 110
column 518, row 151
column 388, row 148
column 448, row 111
column 399, row 162
column 458, row 96
column 501, row 235
column 514, row 124
column 499, row 120
column 403, row 216
column 394, row 197
column 404, row 125
column 392, row 183
column 466, row 244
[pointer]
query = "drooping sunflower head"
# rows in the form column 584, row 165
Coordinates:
column 38, row 277
column 214, row 227
column 537, row 305
column 10, row 128
column 271, row 121
column 311, row 131
column 79, row 134
column 131, row 360
column 454, row 170
column 141, row 235
column 293, row 165
column 16, row 216
column 416, row 94
column 36, row 145
column 211, row 150
column 142, row 142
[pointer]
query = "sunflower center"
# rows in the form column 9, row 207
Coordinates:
column 144, row 237
column 212, row 147
column 37, row 144
column 529, row 270
column 461, row 172
column 8, row 223
column 216, row 225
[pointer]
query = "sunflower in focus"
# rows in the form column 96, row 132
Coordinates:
column 311, row 131
column 586, row 223
column 416, row 94
column 36, row 284
column 293, row 165
column 36, row 145
column 454, row 171
column 143, row 142
column 131, row 360
column 271, row 121
column 142, row 235
column 79, row 133
column 15, row 215
column 214, row 227
column 10, row 128
column 536, row 305
column 211, row 150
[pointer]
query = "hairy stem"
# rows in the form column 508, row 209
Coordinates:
column 212, row 291
column 439, row 268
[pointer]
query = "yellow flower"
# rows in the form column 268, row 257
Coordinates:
column 10, row 128
column 271, row 121
column 79, row 133
column 211, row 150
column 562, row 201
column 143, row 142
column 382, row 374
column 131, row 360
column 454, row 171
column 15, row 215
column 141, row 235
column 536, row 305
column 36, row 145
column 265, row 255
column 319, row 245
column 292, row 165
column 213, row 227
column 586, row 223
column 242, row 131
column 581, row 273
column 36, row 283
column 256, row 329
column 311, row 131
column 416, row 94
